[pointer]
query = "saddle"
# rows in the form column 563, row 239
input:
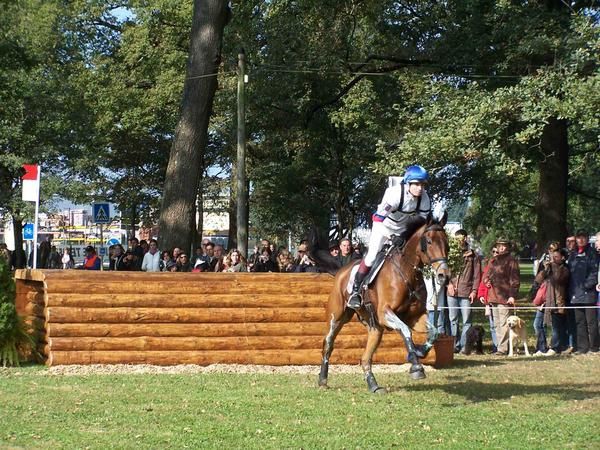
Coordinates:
column 395, row 242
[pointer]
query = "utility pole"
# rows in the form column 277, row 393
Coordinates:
column 242, row 189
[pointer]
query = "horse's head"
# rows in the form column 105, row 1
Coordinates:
column 433, row 249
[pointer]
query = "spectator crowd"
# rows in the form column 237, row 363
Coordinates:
column 565, row 291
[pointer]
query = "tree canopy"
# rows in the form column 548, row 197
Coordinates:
column 497, row 99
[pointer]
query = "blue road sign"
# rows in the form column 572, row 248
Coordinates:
column 28, row 231
column 113, row 241
column 101, row 212
column 102, row 251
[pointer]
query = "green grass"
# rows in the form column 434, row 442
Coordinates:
column 481, row 402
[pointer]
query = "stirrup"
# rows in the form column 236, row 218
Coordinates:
column 355, row 302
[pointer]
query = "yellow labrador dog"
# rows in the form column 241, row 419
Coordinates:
column 516, row 330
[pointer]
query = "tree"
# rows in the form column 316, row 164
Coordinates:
column 506, row 112
column 177, row 219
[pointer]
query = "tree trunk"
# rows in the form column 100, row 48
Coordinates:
column 20, row 258
column 184, row 169
column 232, row 235
column 552, row 197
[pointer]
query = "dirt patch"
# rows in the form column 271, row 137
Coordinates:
column 118, row 369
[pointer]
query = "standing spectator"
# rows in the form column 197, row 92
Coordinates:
column 151, row 261
column 462, row 291
column 307, row 264
column 137, row 254
column 117, row 259
column 434, row 292
column 555, row 274
column 583, row 265
column 144, row 246
column 540, row 320
column 265, row 263
column 198, row 253
column 183, row 264
column 571, row 244
column 91, row 260
column 285, row 262
column 253, row 259
column 234, row 262
column 176, row 254
column 482, row 293
column 274, row 253
column 5, row 253
column 164, row 260
column 67, row 259
column 300, row 252
column 218, row 259
column 334, row 249
column 209, row 255
column 346, row 254
column 502, row 280
column 54, row 259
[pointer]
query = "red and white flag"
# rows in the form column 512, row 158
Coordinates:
column 31, row 182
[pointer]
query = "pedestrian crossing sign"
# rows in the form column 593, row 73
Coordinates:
column 101, row 212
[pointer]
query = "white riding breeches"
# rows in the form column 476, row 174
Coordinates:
column 379, row 234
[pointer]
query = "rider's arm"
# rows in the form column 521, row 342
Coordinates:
column 389, row 203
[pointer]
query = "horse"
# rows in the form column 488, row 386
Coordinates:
column 398, row 300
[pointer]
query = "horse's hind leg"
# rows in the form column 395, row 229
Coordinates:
column 417, row 371
column 373, row 342
column 335, row 326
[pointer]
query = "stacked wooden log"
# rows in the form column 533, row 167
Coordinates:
column 198, row 318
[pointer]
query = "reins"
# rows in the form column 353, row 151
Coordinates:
column 398, row 265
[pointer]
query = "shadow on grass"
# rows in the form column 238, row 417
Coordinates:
column 479, row 391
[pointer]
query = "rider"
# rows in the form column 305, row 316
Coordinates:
column 402, row 208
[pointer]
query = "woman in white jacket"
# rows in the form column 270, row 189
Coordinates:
column 151, row 262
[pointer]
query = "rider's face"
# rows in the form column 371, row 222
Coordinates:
column 416, row 189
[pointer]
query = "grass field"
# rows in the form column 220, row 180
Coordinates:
column 480, row 402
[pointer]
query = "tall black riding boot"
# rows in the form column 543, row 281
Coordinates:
column 355, row 299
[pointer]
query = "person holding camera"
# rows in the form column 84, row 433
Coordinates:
column 264, row 262
column 552, row 279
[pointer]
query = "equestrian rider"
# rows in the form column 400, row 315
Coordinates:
column 402, row 208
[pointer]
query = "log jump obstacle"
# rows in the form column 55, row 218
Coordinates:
column 95, row 317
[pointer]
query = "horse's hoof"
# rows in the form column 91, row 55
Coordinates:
column 418, row 374
column 380, row 391
column 323, row 384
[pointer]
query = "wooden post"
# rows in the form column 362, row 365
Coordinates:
column 242, row 189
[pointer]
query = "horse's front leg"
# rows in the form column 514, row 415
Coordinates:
column 416, row 371
column 373, row 341
column 335, row 326
column 423, row 324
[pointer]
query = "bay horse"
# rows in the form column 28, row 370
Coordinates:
column 398, row 298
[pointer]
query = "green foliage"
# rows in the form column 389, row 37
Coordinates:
column 15, row 341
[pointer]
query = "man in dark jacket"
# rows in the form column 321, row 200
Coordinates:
column 503, row 281
column 583, row 266
column 462, row 291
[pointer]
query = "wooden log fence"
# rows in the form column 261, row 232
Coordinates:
column 83, row 317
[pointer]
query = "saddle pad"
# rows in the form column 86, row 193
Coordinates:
column 351, row 278
column 379, row 260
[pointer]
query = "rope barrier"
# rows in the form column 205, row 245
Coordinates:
column 523, row 308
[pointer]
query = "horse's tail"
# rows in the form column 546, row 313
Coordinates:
column 319, row 252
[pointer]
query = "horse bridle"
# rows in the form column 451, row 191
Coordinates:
column 423, row 241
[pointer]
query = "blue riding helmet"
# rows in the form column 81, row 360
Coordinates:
column 415, row 174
